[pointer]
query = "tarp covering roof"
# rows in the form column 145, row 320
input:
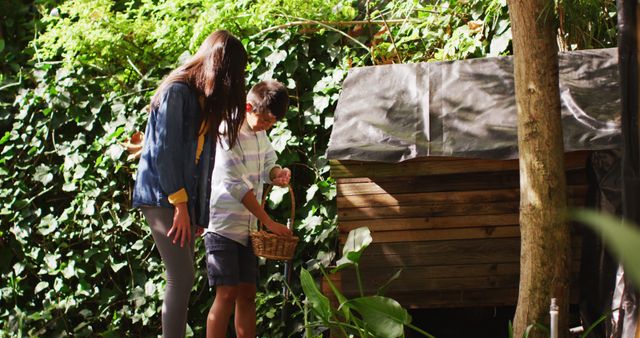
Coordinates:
column 392, row 113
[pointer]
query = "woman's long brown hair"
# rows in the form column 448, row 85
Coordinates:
column 216, row 72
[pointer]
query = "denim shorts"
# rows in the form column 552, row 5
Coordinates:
column 229, row 262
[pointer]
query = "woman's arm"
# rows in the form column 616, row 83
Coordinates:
column 170, row 160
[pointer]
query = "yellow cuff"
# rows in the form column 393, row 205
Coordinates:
column 179, row 196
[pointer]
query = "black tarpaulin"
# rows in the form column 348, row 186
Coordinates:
column 392, row 113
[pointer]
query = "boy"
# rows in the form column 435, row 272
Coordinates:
column 237, row 181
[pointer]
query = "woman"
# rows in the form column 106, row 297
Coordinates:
column 175, row 164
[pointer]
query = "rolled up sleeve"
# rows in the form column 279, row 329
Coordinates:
column 270, row 159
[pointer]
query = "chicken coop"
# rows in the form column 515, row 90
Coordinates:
column 427, row 159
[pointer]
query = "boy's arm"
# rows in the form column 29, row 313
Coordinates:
column 229, row 164
column 251, row 203
column 231, row 169
column 270, row 159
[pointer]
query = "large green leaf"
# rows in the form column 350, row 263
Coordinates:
column 383, row 316
column 319, row 303
column 621, row 237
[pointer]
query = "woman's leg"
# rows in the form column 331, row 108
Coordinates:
column 220, row 312
column 178, row 262
column 245, row 320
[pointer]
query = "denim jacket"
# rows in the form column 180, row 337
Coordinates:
column 167, row 163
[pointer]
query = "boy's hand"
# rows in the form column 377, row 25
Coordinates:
column 281, row 177
column 181, row 229
column 199, row 231
column 278, row 229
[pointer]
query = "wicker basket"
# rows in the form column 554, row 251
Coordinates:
column 268, row 245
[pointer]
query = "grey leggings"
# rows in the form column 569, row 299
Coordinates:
column 178, row 263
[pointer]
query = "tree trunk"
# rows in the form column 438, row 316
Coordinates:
column 545, row 249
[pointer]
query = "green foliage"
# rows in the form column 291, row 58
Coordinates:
column 581, row 23
column 364, row 316
column 75, row 79
column 621, row 237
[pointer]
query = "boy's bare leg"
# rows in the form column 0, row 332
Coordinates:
column 220, row 312
column 245, row 319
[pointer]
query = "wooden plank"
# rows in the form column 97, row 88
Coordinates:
column 451, row 252
column 444, row 222
column 442, row 234
column 473, row 251
column 456, row 182
column 474, row 196
column 462, row 283
column 434, row 210
column 455, row 298
column 436, row 166
column 462, row 298
column 378, row 275
column 428, row 210
column 413, row 278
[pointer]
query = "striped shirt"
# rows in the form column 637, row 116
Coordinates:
column 237, row 171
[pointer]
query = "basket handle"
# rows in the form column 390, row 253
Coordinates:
column 264, row 200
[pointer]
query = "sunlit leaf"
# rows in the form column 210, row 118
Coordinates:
column 43, row 174
column 357, row 240
column 41, row 286
column 319, row 303
column 384, row 316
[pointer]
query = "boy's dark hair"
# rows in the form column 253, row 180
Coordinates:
column 269, row 95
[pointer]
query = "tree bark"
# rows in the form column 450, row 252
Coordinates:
column 545, row 248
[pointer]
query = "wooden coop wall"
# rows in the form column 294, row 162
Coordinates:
column 451, row 224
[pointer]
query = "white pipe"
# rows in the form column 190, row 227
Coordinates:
column 553, row 313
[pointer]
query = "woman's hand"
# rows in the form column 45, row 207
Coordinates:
column 134, row 145
column 181, row 228
column 281, row 177
column 278, row 229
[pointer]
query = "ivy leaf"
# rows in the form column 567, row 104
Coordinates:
column 311, row 192
column 276, row 57
column 1, row 45
column 18, row 268
column 41, row 286
column 58, row 284
column 5, row 138
column 69, row 186
column 69, row 271
column 48, row 224
column 311, row 222
column 51, row 260
column 117, row 266
column 280, row 139
column 500, row 43
column 320, row 103
column 137, row 245
column 43, row 175
column 89, row 208
column 115, row 151
column 276, row 195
